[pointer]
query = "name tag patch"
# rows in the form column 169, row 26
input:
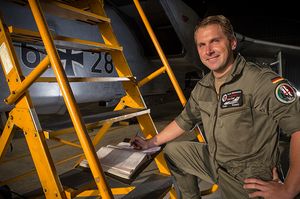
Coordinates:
column 232, row 99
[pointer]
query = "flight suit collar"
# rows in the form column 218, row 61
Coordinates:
column 238, row 66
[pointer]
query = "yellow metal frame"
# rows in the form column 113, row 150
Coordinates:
column 115, row 191
column 30, row 36
column 69, row 99
column 23, row 116
column 133, row 97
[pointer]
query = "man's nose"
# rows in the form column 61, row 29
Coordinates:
column 209, row 50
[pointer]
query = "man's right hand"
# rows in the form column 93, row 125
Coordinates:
column 139, row 143
column 170, row 132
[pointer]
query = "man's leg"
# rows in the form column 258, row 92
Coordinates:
column 187, row 161
column 231, row 188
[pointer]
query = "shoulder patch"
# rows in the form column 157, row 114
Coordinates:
column 277, row 79
column 285, row 93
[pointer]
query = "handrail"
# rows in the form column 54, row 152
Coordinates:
column 170, row 73
column 161, row 53
column 166, row 66
column 152, row 76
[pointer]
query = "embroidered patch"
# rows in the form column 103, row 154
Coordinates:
column 232, row 99
column 285, row 93
column 277, row 79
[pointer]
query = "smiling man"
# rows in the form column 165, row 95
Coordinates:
column 240, row 105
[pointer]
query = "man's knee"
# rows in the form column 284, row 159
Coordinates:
column 173, row 155
column 175, row 150
column 170, row 148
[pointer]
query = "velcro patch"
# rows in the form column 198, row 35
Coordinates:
column 285, row 93
column 232, row 99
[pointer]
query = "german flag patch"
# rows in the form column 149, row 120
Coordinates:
column 277, row 79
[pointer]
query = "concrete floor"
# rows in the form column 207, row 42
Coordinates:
column 18, row 162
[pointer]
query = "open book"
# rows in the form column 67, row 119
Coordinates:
column 122, row 160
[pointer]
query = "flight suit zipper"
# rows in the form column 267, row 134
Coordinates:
column 215, row 122
column 215, row 115
column 216, row 119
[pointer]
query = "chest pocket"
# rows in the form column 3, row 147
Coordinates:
column 235, row 127
column 244, row 107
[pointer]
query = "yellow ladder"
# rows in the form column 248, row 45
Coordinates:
column 23, row 115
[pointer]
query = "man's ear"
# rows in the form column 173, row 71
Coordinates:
column 233, row 43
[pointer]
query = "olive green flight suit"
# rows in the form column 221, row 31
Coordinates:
column 240, row 127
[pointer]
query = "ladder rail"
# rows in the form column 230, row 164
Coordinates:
column 160, row 52
column 69, row 99
column 6, row 137
column 152, row 76
column 28, row 81
column 166, row 67
column 22, row 116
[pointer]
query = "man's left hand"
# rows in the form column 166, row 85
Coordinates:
column 267, row 189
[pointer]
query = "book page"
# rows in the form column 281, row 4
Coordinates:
column 116, row 172
column 118, row 158
column 118, row 161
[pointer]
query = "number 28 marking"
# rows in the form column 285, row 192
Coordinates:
column 108, row 65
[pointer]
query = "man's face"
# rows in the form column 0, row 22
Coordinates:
column 214, row 48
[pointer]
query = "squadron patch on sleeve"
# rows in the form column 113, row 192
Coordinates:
column 232, row 99
column 285, row 93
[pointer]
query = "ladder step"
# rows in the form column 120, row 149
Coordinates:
column 80, row 179
column 113, row 116
column 64, row 10
column 86, row 79
column 70, row 12
column 156, row 186
column 77, row 180
column 29, row 36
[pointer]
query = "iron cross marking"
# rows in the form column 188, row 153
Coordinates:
column 70, row 59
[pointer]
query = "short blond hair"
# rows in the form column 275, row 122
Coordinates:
column 220, row 20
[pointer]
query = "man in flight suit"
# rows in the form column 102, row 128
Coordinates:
column 240, row 105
